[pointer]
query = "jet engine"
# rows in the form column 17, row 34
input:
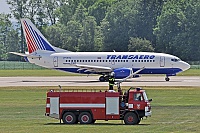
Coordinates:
column 121, row 73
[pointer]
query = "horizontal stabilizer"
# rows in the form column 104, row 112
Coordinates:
column 25, row 55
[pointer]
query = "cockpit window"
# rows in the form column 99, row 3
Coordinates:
column 175, row 59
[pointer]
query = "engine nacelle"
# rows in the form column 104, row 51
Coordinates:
column 121, row 73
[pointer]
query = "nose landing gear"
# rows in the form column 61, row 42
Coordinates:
column 167, row 78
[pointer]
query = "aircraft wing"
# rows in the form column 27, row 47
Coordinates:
column 25, row 55
column 131, row 75
column 90, row 68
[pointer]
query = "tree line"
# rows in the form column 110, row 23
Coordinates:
column 168, row 26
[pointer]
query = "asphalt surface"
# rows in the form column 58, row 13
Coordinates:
column 93, row 81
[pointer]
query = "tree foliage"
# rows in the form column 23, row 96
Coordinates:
column 139, row 44
column 9, row 38
column 169, row 26
column 119, row 25
column 177, row 29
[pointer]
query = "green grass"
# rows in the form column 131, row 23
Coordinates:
column 175, row 109
column 190, row 72
column 49, row 72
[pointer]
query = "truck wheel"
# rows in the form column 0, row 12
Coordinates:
column 93, row 121
column 130, row 118
column 138, row 121
column 85, row 118
column 69, row 118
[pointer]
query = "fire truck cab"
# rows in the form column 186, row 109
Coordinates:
column 87, row 107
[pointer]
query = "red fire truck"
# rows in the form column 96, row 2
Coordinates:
column 87, row 107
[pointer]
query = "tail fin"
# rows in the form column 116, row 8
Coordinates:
column 35, row 40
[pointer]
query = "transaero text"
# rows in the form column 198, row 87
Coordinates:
column 130, row 56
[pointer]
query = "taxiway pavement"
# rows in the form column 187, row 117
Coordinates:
column 93, row 81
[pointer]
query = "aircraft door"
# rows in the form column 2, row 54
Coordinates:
column 55, row 61
column 162, row 61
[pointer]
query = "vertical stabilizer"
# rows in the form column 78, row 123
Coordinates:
column 35, row 40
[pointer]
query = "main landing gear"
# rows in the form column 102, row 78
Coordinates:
column 104, row 78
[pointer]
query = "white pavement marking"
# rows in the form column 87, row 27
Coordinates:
column 93, row 81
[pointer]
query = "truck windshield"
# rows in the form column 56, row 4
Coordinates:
column 145, row 96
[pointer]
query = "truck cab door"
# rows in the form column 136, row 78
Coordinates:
column 139, row 102
column 136, row 101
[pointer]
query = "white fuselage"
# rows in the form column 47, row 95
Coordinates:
column 154, row 63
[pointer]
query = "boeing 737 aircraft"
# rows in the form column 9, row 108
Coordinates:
column 123, row 64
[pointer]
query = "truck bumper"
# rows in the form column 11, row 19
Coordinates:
column 147, row 114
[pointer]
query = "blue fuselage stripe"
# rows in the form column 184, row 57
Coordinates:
column 167, row 71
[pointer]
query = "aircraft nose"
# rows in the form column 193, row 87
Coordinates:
column 185, row 66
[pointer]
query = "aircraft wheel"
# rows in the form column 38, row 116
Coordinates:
column 106, row 78
column 102, row 78
column 167, row 79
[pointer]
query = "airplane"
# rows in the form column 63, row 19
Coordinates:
column 123, row 64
